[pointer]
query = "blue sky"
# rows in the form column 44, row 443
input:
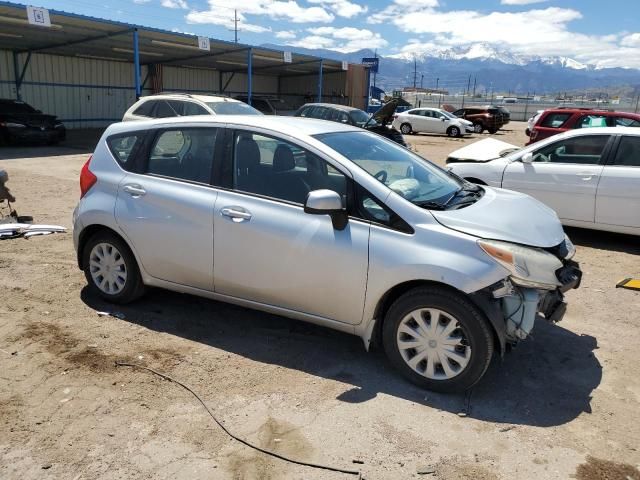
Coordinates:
column 603, row 33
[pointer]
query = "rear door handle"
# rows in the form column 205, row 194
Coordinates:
column 237, row 214
column 134, row 190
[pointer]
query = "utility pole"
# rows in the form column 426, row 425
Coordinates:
column 421, row 79
column 375, row 54
column 415, row 72
column 235, row 23
column 474, row 86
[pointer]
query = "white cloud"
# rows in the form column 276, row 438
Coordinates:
column 399, row 7
column 141, row 2
column 345, row 39
column 288, row 10
column 286, row 34
column 521, row 2
column 174, row 4
column 342, row 8
column 632, row 40
column 224, row 18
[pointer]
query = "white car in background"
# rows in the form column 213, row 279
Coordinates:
column 590, row 176
column 431, row 120
column 166, row 105
column 532, row 121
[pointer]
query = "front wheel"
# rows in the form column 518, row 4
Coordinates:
column 438, row 339
column 453, row 132
column 405, row 129
column 478, row 128
column 111, row 269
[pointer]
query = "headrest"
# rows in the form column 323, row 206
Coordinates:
column 283, row 159
column 247, row 154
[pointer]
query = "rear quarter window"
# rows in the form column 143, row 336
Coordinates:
column 124, row 147
column 146, row 109
column 555, row 120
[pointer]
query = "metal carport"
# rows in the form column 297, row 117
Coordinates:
column 123, row 61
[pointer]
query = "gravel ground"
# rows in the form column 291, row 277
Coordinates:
column 563, row 404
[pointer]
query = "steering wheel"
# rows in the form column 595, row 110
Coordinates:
column 381, row 175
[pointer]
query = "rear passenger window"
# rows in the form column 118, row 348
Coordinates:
column 146, row 109
column 279, row 169
column 628, row 152
column 590, row 121
column 555, row 120
column 626, row 122
column 185, row 154
column 123, row 147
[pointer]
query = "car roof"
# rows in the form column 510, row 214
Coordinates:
column 589, row 111
column 293, row 126
column 187, row 96
column 635, row 131
column 337, row 106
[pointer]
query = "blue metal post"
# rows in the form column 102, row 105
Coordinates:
column 249, row 75
column 16, row 73
column 320, row 83
column 136, row 64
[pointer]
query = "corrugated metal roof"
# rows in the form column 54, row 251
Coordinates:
column 83, row 36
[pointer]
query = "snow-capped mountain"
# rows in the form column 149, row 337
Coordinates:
column 484, row 51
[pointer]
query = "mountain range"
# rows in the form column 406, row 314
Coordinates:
column 490, row 68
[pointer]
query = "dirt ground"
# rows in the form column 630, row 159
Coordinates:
column 564, row 404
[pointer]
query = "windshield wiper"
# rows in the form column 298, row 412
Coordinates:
column 430, row 204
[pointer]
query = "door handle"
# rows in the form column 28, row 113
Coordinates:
column 586, row 176
column 237, row 214
column 134, row 190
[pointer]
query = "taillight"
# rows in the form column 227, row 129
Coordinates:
column 87, row 178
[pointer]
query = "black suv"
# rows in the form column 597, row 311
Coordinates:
column 20, row 122
column 376, row 123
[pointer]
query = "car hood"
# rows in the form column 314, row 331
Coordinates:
column 383, row 114
column 508, row 216
column 483, row 151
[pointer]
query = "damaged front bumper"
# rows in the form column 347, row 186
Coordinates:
column 513, row 309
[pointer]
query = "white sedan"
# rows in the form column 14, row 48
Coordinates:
column 590, row 177
column 431, row 120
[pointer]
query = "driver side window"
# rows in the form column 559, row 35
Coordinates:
column 584, row 150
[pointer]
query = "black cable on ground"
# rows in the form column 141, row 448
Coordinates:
column 244, row 442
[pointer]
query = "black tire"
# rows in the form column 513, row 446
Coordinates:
column 474, row 328
column 493, row 130
column 133, row 285
column 453, row 132
column 478, row 128
column 406, row 129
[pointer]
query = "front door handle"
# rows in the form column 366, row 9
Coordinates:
column 237, row 214
column 586, row 176
column 134, row 190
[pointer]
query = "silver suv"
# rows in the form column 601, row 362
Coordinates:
column 325, row 223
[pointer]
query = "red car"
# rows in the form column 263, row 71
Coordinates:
column 558, row 120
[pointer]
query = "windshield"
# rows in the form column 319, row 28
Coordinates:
column 232, row 108
column 359, row 117
column 401, row 170
column 447, row 114
column 16, row 108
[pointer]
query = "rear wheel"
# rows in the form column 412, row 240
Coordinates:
column 438, row 339
column 405, row 129
column 493, row 130
column 111, row 269
column 478, row 128
column 453, row 132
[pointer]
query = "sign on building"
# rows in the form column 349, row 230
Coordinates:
column 38, row 16
column 345, row 65
column 287, row 57
column 371, row 63
column 203, row 43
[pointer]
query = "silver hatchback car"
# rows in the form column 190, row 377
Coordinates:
column 324, row 223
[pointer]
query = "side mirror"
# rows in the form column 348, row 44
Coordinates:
column 527, row 158
column 327, row 202
column 443, row 118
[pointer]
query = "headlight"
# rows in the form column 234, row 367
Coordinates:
column 58, row 125
column 571, row 249
column 15, row 125
column 529, row 267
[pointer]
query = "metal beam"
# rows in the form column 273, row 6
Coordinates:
column 75, row 42
column 320, row 83
column 228, row 81
column 204, row 55
column 279, row 65
column 249, row 74
column 136, row 64
column 18, row 73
